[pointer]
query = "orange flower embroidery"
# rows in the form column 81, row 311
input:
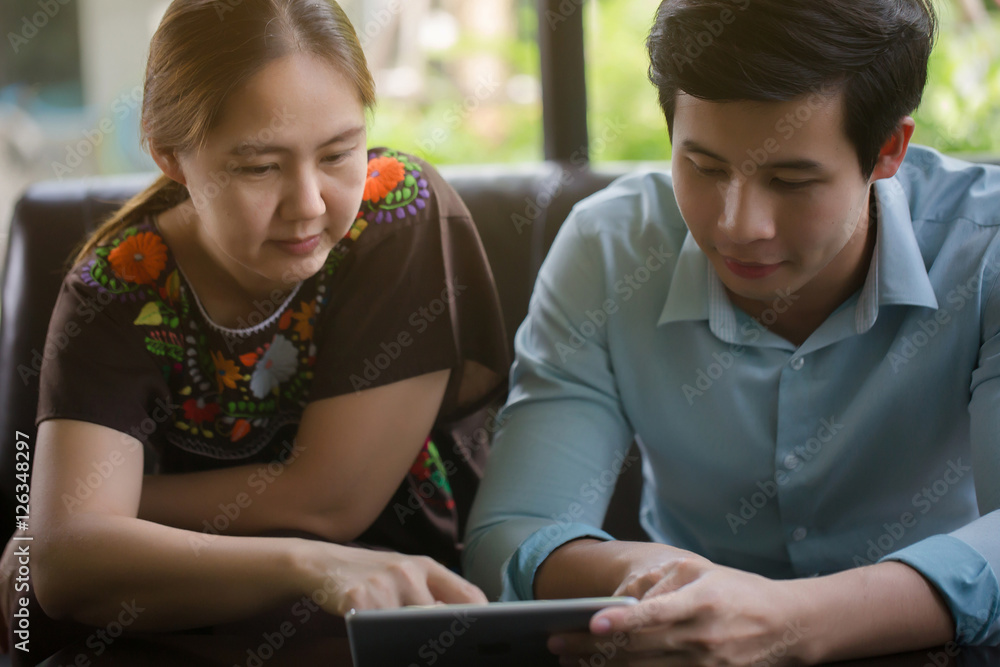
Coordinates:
column 226, row 372
column 384, row 174
column 139, row 258
column 304, row 320
column 240, row 429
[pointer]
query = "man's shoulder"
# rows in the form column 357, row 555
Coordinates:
column 942, row 188
column 634, row 208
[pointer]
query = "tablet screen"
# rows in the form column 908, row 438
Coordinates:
column 469, row 635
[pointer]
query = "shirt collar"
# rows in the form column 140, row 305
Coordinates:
column 896, row 276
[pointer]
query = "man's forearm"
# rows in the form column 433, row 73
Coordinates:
column 595, row 568
column 884, row 608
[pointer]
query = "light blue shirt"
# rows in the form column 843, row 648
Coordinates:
column 874, row 439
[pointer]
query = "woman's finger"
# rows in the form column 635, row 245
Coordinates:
column 450, row 588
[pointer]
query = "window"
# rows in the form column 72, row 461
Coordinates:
column 458, row 82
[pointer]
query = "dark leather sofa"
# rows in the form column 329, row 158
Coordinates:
column 517, row 211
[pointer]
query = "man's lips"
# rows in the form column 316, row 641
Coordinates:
column 750, row 270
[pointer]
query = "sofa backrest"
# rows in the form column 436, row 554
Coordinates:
column 517, row 212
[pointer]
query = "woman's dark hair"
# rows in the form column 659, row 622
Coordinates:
column 204, row 50
column 874, row 51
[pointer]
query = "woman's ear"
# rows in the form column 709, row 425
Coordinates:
column 168, row 163
column 894, row 150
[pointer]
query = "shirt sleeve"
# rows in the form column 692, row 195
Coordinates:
column 562, row 426
column 415, row 294
column 963, row 565
column 95, row 367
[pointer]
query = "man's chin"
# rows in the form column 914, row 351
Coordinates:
column 764, row 291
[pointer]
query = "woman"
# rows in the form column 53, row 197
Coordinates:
column 270, row 332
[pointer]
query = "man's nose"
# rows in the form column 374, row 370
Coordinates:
column 746, row 214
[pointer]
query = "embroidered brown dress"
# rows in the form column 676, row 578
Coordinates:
column 408, row 291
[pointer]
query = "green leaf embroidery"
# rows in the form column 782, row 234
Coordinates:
column 149, row 316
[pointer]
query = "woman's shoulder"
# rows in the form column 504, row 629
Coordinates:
column 132, row 265
column 403, row 188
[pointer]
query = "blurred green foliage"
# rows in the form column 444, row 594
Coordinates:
column 960, row 112
column 485, row 122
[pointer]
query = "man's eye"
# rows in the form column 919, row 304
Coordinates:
column 706, row 171
column 791, row 185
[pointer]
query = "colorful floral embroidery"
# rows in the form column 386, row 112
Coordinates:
column 226, row 372
column 197, row 411
column 305, row 320
column 257, row 388
column 430, row 466
column 277, row 365
column 410, row 192
column 140, row 258
column 384, row 174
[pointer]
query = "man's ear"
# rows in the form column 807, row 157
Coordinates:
column 893, row 151
column 168, row 163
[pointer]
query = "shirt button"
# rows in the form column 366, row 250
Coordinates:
column 791, row 461
column 799, row 534
column 798, row 363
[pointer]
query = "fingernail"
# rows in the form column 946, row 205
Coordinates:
column 602, row 625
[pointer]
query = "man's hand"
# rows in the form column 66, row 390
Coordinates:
column 693, row 612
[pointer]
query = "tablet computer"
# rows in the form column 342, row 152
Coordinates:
column 465, row 635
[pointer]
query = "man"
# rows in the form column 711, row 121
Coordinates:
column 800, row 326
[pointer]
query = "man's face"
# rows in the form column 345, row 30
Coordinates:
column 772, row 192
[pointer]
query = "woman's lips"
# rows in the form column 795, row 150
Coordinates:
column 751, row 271
column 299, row 247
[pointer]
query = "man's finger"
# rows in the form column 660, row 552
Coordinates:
column 662, row 610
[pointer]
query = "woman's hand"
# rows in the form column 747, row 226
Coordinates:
column 340, row 578
column 693, row 612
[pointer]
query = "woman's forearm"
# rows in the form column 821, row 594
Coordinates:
column 229, row 501
column 883, row 608
column 95, row 565
column 244, row 500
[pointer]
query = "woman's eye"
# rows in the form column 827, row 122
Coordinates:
column 333, row 159
column 258, row 170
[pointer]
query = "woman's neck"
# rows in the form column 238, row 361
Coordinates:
column 229, row 300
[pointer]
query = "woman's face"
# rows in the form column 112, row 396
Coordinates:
column 281, row 177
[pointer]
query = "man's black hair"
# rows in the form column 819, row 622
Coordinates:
column 875, row 51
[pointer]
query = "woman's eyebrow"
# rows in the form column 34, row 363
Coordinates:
column 248, row 146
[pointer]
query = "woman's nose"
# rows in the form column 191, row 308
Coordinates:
column 304, row 198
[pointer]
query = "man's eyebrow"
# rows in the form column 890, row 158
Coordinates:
column 800, row 164
column 249, row 146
